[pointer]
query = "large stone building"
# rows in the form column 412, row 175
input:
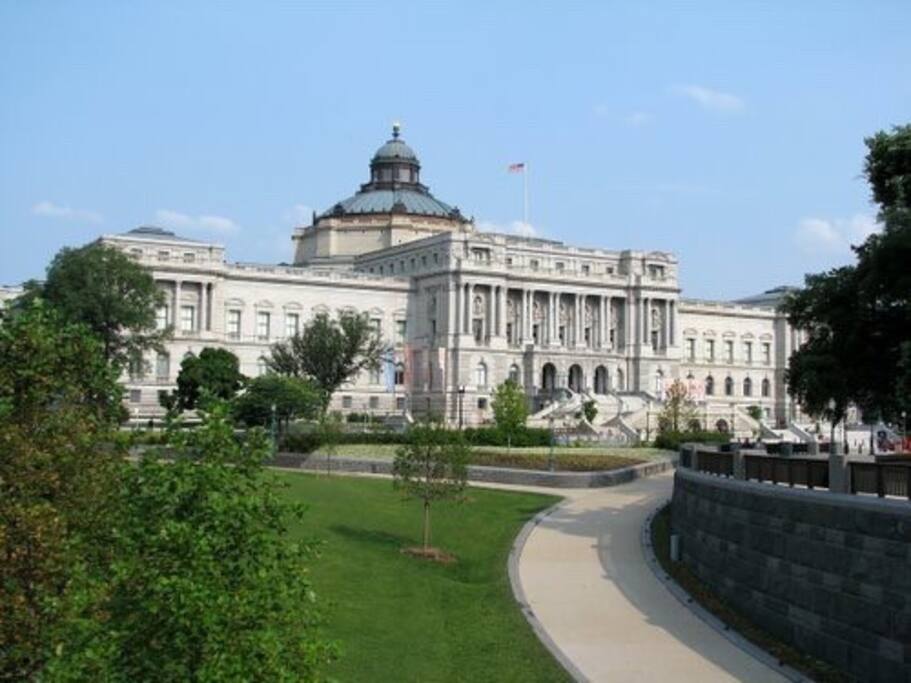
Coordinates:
column 463, row 310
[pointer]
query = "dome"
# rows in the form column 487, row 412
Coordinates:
column 395, row 149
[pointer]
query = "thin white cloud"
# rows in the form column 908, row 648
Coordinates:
column 520, row 228
column 833, row 236
column 205, row 222
column 640, row 118
column 713, row 100
column 50, row 210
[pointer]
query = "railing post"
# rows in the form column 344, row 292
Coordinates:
column 740, row 470
column 880, row 484
column 838, row 475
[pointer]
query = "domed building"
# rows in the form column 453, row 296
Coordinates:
column 394, row 207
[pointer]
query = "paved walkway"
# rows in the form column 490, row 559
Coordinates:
column 586, row 580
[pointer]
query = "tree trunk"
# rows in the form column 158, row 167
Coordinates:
column 426, row 524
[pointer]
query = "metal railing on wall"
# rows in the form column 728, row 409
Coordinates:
column 882, row 478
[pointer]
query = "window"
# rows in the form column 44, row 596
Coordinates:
column 376, row 325
column 375, row 376
column 728, row 387
column 135, row 395
column 656, row 271
column 399, row 374
column 233, row 324
column 609, row 270
column 261, row 367
column 509, row 260
column 164, row 256
column 136, row 253
column 189, row 257
column 748, row 352
column 187, row 318
column 292, row 324
column 163, row 366
column 482, row 404
column 162, row 317
column 263, row 320
column 536, row 333
column 747, row 387
column 586, row 269
column 401, row 327
column 766, row 388
column 709, row 386
column 436, row 257
column 400, row 403
column 767, row 353
column 137, row 369
column 423, row 261
column 346, row 401
column 412, row 264
column 559, row 266
column 374, row 402
column 514, row 373
column 480, row 375
column 534, row 264
column 710, row 350
column 691, row 349
column 728, row 351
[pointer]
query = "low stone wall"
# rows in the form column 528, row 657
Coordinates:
column 499, row 475
column 829, row 573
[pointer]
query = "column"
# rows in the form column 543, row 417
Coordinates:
column 627, row 320
column 176, row 314
column 526, row 325
column 203, row 306
column 552, row 319
column 489, row 314
column 608, row 313
column 646, row 303
column 469, row 308
column 452, row 312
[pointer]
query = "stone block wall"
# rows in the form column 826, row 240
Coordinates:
column 829, row 573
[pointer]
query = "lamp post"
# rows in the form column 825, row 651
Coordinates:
column 550, row 457
column 832, row 407
column 274, row 441
column 461, row 400
column 904, row 429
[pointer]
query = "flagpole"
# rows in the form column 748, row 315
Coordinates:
column 525, row 192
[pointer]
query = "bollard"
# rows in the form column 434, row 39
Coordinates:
column 675, row 547
column 838, row 473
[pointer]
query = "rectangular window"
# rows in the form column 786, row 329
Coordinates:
column 374, row 402
column 189, row 257
column 135, row 395
column 748, row 352
column 292, row 324
column 400, row 403
column 533, row 264
column 560, row 266
column 586, row 269
column 376, row 376
column 376, row 325
column 233, row 324
column 164, row 255
column 163, row 367
column 691, row 349
column 710, row 350
column 187, row 318
column 162, row 317
column 137, row 369
column 729, row 351
column 263, row 323
column 136, row 253
column 767, row 353
column 401, row 327
column 346, row 401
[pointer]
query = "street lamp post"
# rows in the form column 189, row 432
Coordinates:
column 461, row 400
column 904, row 429
column 832, row 406
column 550, row 457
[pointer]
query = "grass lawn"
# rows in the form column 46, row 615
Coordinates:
column 399, row 618
column 568, row 458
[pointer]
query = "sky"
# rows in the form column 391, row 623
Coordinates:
column 730, row 134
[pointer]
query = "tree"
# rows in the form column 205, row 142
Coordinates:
column 510, row 409
column 857, row 317
column 755, row 412
column 431, row 466
column 293, row 399
column 590, row 410
column 208, row 584
column 59, row 468
column 679, row 408
column 329, row 352
column 104, row 289
column 214, row 372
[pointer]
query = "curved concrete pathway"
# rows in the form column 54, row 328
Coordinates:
column 585, row 578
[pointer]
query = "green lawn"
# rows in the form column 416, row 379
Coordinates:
column 399, row 618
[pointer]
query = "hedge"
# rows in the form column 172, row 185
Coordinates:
column 672, row 440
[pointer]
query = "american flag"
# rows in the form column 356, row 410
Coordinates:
column 516, row 168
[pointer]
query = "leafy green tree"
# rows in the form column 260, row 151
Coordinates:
column 329, row 352
column 857, row 317
column 590, row 410
column 208, row 584
column 679, row 408
column 432, row 466
column 59, row 468
column 292, row 397
column 214, row 372
column 510, row 409
column 755, row 412
column 112, row 295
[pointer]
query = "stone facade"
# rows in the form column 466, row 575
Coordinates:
column 465, row 310
column 826, row 572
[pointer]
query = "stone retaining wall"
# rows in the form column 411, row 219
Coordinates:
column 829, row 573
column 499, row 475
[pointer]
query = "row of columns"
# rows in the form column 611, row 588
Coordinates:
column 668, row 316
column 202, row 318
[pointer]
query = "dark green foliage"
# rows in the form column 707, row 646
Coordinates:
column 102, row 288
column 859, row 316
column 432, row 466
column 329, row 352
column 755, row 412
column 214, row 372
column 292, row 397
column 510, row 409
column 590, row 410
column 206, row 585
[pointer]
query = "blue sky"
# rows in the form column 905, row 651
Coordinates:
column 728, row 133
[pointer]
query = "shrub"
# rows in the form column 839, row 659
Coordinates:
column 672, row 440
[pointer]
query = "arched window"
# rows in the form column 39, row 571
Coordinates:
column 620, row 385
column 766, row 388
column 514, row 373
column 480, row 374
column 709, row 386
column 728, row 387
column 399, row 374
column 747, row 387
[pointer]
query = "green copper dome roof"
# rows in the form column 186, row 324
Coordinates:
column 394, row 186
